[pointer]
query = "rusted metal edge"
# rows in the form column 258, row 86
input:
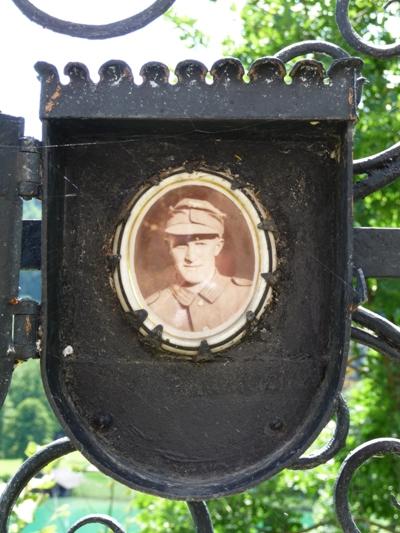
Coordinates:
column 329, row 95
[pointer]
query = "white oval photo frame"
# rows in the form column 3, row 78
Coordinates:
column 127, row 286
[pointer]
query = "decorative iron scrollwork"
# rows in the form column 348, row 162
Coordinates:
column 382, row 169
column 93, row 31
column 308, row 47
column 387, row 335
column 105, row 520
column 334, row 445
column 352, row 462
column 55, row 450
column 355, row 40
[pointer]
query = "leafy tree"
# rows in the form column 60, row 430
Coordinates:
column 31, row 424
column 26, row 415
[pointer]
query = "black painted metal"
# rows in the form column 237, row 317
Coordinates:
column 376, row 251
column 201, row 517
column 363, row 337
column 11, row 130
column 26, row 322
column 31, row 245
column 382, row 335
column 352, row 462
column 360, row 289
column 382, row 169
column 30, row 468
column 105, row 520
column 96, row 169
column 352, row 37
column 380, row 325
column 331, row 95
column 315, row 47
column 334, row 445
column 92, row 31
column 29, row 171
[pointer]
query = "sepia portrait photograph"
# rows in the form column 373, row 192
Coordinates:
column 194, row 260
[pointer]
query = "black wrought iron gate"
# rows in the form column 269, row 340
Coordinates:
column 376, row 251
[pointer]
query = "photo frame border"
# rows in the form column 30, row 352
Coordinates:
column 126, row 285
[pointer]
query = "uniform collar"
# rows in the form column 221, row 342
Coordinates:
column 210, row 292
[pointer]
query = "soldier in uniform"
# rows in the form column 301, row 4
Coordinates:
column 201, row 298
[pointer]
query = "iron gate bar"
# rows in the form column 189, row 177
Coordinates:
column 201, row 517
column 376, row 343
column 334, row 445
column 379, row 160
column 93, row 31
column 311, row 47
column 376, row 251
column 11, row 130
column 105, row 520
column 352, row 462
column 382, row 169
column 380, row 325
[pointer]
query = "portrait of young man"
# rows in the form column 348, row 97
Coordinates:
column 199, row 298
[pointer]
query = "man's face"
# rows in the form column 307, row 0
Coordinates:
column 194, row 256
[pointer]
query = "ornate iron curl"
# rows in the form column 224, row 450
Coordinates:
column 201, row 517
column 105, row 520
column 309, row 47
column 355, row 40
column 387, row 339
column 55, row 450
column 198, row 510
column 334, row 445
column 352, row 462
column 26, row 472
column 94, row 31
column 382, row 169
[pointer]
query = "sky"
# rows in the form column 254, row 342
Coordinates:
column 23, row 43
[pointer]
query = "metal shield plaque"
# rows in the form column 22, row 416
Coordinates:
column 198, row 280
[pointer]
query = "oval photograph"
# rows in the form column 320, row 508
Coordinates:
column 192, row 257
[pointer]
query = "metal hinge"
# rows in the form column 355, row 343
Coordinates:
column 30, row 168
column 25, row 329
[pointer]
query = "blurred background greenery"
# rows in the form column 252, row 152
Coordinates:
column 292, row 501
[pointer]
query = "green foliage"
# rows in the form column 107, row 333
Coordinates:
column 31, row 424
column 190, row 35
column 26, row 415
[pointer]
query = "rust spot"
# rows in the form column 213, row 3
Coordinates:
column 14, row 301
column 127, row 74
column 351, row 96
column 27, row 326
column 49, row 78
column 53, row 100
